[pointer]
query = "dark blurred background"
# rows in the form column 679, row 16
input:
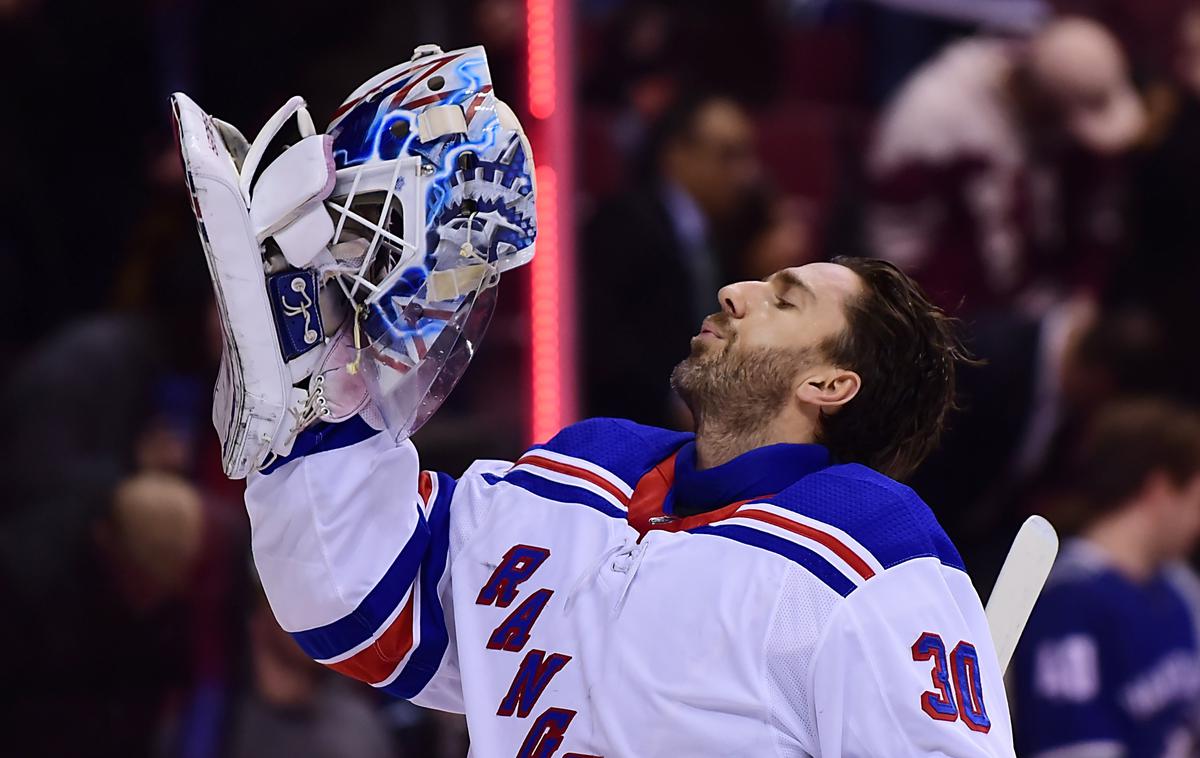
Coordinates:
column 1041, row 185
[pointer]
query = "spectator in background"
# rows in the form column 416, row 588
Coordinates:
column 994, row 173
column 296, row 708
column 641, row 71
column 651, row 256
column 1146, row 29
column 106, row 649
column 780, row 235
column 1109, row 663
column 1024, row 408
column 121, row 573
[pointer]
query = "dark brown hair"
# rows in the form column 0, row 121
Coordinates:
column 906, row 351
column 1128, row 441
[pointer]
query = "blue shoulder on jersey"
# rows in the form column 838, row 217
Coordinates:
column 851, row 523
column 596, row 463
column 623, row 447
column 880, row 516
column 884, row 516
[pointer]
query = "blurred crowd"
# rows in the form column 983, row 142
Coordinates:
column 1033, row 165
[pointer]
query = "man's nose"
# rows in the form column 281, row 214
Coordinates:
column 736, row 298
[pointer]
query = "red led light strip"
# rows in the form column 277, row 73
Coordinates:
column 541, row 38
column 547, row 415
column 551, row 307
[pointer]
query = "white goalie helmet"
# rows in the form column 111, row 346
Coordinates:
column 357, row 272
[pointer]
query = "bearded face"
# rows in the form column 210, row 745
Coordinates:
column 740, row 389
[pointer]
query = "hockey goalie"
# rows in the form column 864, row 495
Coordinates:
column 764, row 587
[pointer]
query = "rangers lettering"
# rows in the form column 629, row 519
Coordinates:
column 546, row 734
column 531, row 681
column 513, row 632
column 518, row 565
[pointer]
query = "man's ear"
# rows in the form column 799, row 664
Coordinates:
column 1158, row 487
column 829, row 389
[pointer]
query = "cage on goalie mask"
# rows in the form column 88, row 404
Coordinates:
column 433, row 199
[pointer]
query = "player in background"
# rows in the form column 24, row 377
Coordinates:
column 994, row 162
column 1109, row 664
column 763, row 587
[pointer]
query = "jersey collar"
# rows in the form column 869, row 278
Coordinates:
column 675, row 495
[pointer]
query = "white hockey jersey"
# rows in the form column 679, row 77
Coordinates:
column 603, row 597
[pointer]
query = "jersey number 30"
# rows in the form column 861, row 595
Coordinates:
column 966, row 702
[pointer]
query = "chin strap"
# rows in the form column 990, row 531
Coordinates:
column 353, row 365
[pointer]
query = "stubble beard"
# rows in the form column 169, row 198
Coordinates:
column 736, row 393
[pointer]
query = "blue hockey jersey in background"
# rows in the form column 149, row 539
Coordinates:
column 1107, row 666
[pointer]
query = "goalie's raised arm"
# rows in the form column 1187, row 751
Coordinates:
column 352, row 542
column 355, row 272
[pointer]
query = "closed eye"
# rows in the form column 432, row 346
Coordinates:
column 785, row 282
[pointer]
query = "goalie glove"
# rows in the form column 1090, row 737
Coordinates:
column 356, row 273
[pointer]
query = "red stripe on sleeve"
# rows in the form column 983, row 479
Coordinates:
column 376, row 662
column 568, row 469
column 828, row 540
column 425, row 487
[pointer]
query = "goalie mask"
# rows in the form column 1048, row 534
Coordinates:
column 366, row 256
column 435, row 178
